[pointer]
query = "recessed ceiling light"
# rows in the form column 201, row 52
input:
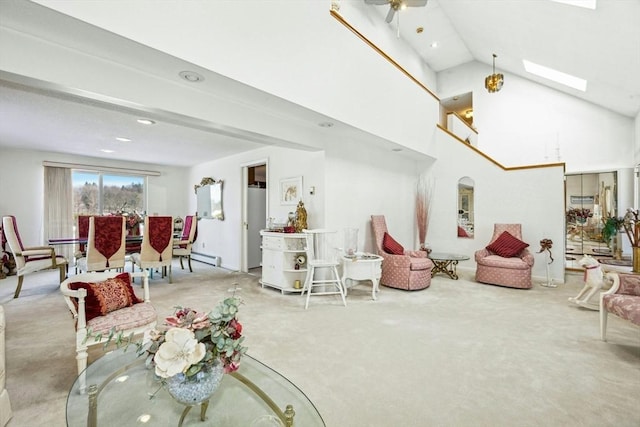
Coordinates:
column 146, row 122
column 434, row 45
column 104, row 150
column 191, row 76
column 555, row 75
column 397, row 150
column 325, row 124
column 121, row 139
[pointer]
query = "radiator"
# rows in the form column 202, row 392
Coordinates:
column 206, row 258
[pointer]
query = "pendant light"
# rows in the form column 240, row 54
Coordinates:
column 494, row 82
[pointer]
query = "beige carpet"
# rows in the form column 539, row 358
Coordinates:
column 456, row 354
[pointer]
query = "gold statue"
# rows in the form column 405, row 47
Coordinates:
column 301, row 217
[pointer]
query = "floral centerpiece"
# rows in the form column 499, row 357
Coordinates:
column 195, row 349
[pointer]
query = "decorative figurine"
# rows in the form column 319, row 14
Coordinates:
column 301, row 217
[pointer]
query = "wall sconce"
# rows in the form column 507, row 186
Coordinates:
column 494, row 82
column 468, row 114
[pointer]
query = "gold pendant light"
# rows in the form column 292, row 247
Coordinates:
column 494, row 82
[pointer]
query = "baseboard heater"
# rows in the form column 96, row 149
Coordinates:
column 206, row 258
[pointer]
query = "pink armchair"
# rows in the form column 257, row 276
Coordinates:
column 622, row 299
column 409, row 271
column 514, row 271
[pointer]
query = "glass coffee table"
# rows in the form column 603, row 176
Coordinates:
column 122, row 391
column 446, row 263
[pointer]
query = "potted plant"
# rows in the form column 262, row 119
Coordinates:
column 612, row 226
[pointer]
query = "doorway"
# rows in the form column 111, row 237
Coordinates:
column 255, row 215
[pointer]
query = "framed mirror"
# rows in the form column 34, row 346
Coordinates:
column 209, row 197
column 465, row 207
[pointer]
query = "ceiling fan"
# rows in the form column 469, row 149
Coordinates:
column 394, row 5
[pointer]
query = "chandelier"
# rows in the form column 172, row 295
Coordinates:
column 494, row 82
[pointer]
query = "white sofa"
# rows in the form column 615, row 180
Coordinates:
column 5, row 404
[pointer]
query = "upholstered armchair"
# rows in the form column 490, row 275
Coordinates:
column 408, row 270
column 622, row 299
column 30, row 259
column 105, row 303
column 506, row 261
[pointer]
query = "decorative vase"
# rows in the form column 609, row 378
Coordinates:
column 636, row 259
column 196, row 389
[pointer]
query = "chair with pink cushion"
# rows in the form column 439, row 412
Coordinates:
column 105, row 245
column 505, row 261
column 182, row 245
column 157, row 246
column 401, row 269
column 30, row 259
column 622, row 299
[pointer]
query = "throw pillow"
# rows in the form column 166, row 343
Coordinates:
column 507, row 246
column 390, row 245
column 104, row 297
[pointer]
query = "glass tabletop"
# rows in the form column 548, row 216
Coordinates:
column 441, row 256
column 131, row 394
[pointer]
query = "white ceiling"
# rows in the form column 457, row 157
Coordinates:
column 602, row 46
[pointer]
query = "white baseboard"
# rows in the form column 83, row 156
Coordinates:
column 206, row 258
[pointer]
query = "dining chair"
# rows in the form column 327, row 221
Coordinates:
column 322, row 265
column 30, row 259
column 157, row 246
column 182, row 246
column 83, row 236
column 105, row 245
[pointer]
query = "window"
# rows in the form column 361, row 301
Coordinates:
column 100, row 193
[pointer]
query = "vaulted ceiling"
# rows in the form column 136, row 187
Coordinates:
column 601, row 46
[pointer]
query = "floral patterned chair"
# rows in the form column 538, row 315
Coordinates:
column 104, row 302
column 506, row 261
column 622, row 299
column 157, row 246
column 408, row 270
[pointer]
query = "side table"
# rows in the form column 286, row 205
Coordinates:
column 362, row 266
column 446, row 263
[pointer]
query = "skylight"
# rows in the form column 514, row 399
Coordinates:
column 587, row 4
column 555, row 75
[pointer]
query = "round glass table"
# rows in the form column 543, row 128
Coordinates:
column 446, row 263
column 122, row 391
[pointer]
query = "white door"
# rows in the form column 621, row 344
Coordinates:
column 257, row 220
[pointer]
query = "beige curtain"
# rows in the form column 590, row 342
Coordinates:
column 58, row 209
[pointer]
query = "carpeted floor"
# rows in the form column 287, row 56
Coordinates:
column 456, row 354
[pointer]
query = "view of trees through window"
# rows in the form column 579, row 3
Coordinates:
column 97, row 193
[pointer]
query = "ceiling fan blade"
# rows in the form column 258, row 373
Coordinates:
column 377, row 2
column 390, row 14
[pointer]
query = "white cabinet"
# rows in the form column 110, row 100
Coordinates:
column 279, row 254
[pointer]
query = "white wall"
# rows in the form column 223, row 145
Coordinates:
column 533, row 197
column 525, row 122
column 22, row 187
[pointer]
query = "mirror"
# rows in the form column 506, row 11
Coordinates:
column 209, row 196
column 465, row 207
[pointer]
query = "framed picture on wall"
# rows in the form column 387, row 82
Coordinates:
column 290, row 190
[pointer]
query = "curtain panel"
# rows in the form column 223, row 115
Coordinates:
column 58, row 208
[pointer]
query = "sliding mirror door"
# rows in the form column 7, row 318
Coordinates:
column 590, row 201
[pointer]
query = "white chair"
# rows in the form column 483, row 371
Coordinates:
column 157, row 245
column 322, row 263
column 30, row 259
column 182, row 246
column 93, row 327
column 105, row 245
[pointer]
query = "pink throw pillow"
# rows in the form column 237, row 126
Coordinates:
column 507, row 246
